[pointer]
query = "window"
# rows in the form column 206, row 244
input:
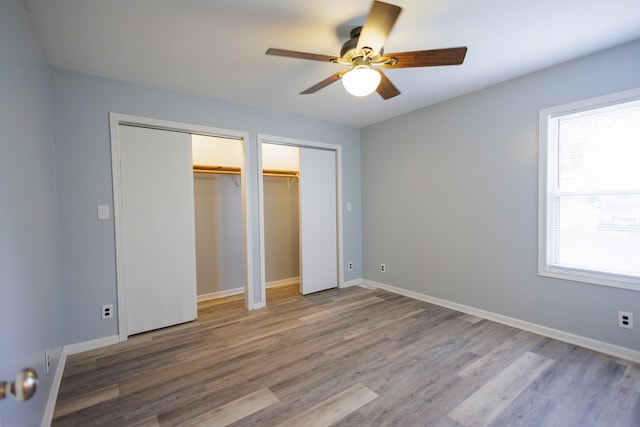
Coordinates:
column 590, row 191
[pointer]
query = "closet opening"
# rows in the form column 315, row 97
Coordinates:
column 217, row 167
column 300, row 248
column 280, row 185
column 153, row 183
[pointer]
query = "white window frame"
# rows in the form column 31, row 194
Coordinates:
column 548, row 128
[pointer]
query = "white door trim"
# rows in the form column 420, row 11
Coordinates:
column 270, row 139
column 117, row 119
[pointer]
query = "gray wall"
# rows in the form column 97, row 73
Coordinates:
column 30, row 303
column 450, row 200
column 83, row 165
column 218, row 218
column 281, row 228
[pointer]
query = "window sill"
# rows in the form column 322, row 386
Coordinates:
column 590, row 277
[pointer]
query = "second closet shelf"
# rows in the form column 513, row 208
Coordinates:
column 229, row 170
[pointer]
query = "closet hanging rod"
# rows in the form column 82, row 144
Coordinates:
column 229, row 170
column 277, row 172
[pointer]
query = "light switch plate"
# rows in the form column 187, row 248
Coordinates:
column 103, row 211
column 348, row 206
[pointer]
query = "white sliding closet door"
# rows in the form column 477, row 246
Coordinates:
column 318, row 221
column 157, row 228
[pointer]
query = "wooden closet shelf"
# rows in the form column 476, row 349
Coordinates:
column 276, row 172
column 229, row 170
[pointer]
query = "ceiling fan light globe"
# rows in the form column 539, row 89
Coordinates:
column 361, row 81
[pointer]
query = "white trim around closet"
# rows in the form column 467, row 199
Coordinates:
column 279, row 140
column 117, row 119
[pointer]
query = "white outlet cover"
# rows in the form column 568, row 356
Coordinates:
column 103, row 211
column 629, row 319
column 107, row 311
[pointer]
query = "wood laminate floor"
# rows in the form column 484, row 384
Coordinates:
column 345, row 357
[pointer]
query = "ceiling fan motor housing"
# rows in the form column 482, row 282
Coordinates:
column 348, row 51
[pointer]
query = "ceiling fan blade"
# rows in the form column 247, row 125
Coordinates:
column 427, row 58
column 386, row 89
column 300, row 55
column 326, row 82
column 377, row 26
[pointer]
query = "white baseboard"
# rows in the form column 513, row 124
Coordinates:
column 90, row 345
column 581, row 341
column 354, row 282
column 240, row 290
column 47, row 418
column 68, row 350
column 283, row 282
column 220, row 294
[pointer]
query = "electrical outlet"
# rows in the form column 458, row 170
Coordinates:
column 383, row 268
column 47, row 361
column 350, row 265
column 625, row 319
column 107, row 311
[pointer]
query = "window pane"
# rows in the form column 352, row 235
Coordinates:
column 598, row 233
column 600, row 150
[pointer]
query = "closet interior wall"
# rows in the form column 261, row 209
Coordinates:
column 282, row 229
column 218, row 221
column 218, row 217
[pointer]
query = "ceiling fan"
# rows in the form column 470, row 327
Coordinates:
column 364, row 50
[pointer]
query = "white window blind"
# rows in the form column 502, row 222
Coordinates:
column 591, row 192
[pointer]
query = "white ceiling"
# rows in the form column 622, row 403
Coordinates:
column 215, row 48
